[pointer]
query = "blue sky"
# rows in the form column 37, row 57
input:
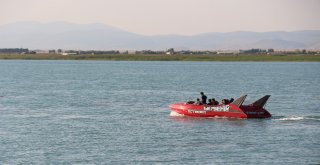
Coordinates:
column 185, row 17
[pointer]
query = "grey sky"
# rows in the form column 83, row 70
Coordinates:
column 187, row 17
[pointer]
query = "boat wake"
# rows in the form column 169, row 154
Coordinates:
column 291, row 118
column 175, row 114
column 298, row 118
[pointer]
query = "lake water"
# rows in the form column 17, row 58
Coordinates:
column 106, row 112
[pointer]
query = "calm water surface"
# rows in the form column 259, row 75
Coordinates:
column 105, row 112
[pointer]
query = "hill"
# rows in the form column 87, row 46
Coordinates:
column 54, row 35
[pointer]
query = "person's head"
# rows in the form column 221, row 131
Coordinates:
column 213, row 99
column 209, row 100
column 201, row 93
column 198, row 99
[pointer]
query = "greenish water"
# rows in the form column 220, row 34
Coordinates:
column 106, row 112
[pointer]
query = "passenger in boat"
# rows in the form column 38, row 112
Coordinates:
column 203, row 98
column 190, row 102
column 227, row 101
column 210, row 102
column 198, row 102
column 214, row 102
column 224, row 101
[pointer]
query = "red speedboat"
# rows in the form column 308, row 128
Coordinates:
column 234, row 109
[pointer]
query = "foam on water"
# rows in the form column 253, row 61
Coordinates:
column 291, row 118
column 174, row 113
column 298, row 118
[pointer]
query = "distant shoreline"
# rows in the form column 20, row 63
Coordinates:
column 163, row 57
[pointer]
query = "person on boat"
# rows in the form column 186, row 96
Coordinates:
column 214, row 102
column 227, row 101
column 224, row 101
column 198, row 102
column 203, row 98
column 190, row 102
column 210, row 102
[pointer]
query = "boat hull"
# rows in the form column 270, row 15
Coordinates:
column 229, row 110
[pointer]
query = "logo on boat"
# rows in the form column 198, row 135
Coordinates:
column 224, row 108
column 196, row 111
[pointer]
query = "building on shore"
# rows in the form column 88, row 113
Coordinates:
column 14, row 51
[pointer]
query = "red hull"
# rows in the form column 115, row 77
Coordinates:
column 229, row 110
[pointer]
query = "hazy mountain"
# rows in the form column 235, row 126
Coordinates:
column 34, row 35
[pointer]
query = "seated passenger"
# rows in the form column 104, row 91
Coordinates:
column 227, row 101
column 198, row 102
column 190, row 102
column 214, row 102
column 210, row 102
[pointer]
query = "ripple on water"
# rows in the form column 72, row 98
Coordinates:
column 109, row 112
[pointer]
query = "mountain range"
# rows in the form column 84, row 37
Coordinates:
column 63, row 35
